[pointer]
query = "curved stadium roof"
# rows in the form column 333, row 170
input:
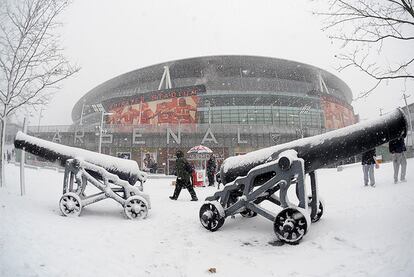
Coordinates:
column 218, row 73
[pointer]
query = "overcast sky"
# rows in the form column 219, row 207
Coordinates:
column 107, row 38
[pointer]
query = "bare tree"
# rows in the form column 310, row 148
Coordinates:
column 365, row 28
column 31, row 59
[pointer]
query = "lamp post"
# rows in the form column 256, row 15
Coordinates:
column 81, row 117
column 271, row 112
column 305, row 109
column 22, row 161
column 40, row 117
column 208, row 103
column 100, row 130
column 300, row 123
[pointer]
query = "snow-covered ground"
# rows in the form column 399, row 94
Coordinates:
column 364, row 232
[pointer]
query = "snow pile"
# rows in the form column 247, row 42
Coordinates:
column 365, row 231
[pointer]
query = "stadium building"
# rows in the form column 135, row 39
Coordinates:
column 232, row 104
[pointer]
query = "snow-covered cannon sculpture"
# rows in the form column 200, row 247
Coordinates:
column 116, row 178
column 267, row 174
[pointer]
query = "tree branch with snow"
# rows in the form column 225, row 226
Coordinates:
column 364, row 27
column 32, row 63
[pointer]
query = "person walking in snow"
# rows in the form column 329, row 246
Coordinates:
column 211, row 170
column 183, row 172
column 368, row 163
column 397, row 149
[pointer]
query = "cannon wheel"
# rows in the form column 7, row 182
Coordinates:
column 212, row 216
column 248, row 213
column 136, row 207
column 70, row 204
column 290, row 225
column 319, row 213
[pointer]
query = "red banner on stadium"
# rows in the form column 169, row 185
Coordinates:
column 178, row 105
column 337, row 113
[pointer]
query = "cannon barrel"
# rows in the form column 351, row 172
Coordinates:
column 325, row 149
column 127, row 170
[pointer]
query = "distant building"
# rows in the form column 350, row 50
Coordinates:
column 232, row 104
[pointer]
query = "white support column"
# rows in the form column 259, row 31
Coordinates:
column 323, row 84
column 166, row 78
column 162, row 80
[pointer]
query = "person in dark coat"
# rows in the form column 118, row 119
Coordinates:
column 368, row 163
column 397, row 149
column 211, row 170
column 183, row 172
column 8, row 156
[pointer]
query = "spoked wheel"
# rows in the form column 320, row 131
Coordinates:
column 70, row 204
column 212, row 216
column 319, row 212
column 136, row 207
column 248, row 213
column 290, row 225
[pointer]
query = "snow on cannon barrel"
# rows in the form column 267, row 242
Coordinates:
column 117, row 178
column 127, row 170
column 267, row 174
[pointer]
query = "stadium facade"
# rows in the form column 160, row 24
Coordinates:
column 232, row 104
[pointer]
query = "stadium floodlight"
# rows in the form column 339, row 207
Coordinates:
column 305, row 109
column 98, row 108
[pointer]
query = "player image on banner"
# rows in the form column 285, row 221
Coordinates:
column 337, row 115
column 170, row 106
column 124, row 115
column 174, row 110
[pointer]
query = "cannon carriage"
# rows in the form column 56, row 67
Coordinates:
column 267, row 174
column 115, row 178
